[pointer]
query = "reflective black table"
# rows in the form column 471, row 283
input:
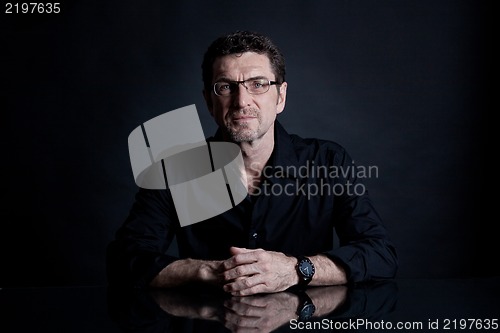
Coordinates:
column 402, row 305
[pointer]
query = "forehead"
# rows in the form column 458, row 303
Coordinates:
column 242, row 65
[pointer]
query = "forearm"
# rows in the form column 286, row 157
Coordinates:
column 188, row 271
column 327, row 272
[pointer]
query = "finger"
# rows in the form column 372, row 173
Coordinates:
column 239, row 306
column 240, row 259
column 237, row 250
column 241, row 271
column 247, row 286
column 242, row 283
column 258, row 301
column 257, row 289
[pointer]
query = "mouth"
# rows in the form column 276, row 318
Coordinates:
column 243, row 118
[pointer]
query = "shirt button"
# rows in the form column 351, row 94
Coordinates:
column 254, row 235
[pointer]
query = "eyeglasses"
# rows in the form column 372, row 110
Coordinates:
column 254, row 86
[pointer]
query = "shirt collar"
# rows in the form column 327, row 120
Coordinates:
column 284, row 157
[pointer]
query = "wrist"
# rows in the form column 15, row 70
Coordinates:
column 294, row 277
column 208, row 271
column 305, row 270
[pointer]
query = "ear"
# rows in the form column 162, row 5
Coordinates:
column 280, row 106
column 208, row 101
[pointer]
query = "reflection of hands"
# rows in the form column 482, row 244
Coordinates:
column 260, row 313
column 250, row 272
column 183, row 303
column 134, row 309
column 256, row 313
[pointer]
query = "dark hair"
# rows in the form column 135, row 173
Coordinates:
column 239, row 42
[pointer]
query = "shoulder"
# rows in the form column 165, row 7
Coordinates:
column 315, row 147
column 297, row 149
column 299, row 142
column 311, row 143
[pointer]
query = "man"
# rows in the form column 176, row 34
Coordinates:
column 281, row 235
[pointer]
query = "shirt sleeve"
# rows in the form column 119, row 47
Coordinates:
column 137, row 253
column 365, row 250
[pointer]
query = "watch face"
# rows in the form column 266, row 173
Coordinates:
column 306, row 268
column 307, row 312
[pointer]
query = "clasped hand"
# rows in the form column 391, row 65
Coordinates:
column 254, row 271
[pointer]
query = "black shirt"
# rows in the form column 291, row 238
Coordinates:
column 310, row 188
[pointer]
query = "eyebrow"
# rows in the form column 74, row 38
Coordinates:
column 225, row 79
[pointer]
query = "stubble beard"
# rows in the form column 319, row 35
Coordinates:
column 243, row 132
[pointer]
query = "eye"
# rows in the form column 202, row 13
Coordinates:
column 258, row 84
column 224, row 86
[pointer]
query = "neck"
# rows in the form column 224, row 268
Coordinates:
column 255, row 156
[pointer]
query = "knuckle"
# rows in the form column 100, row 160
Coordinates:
column 266, row 266
column 247, row 283
column 239, row 270
column 246, row 311
column 226, row 264
column 261, row 254
column 237, row 259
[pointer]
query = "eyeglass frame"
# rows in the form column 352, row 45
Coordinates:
column 237, row 83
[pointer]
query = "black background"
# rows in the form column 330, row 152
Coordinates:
column 403, row 85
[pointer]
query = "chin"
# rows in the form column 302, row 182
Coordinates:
column 241, row 133
column 243, row 136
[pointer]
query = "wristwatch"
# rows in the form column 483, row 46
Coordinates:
column 305, row 269
column 306, row 308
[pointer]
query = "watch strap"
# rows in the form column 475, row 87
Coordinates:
column 304, row 280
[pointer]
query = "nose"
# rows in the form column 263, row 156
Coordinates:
column 241, row 97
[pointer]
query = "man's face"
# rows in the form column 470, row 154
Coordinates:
column 245, row 117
